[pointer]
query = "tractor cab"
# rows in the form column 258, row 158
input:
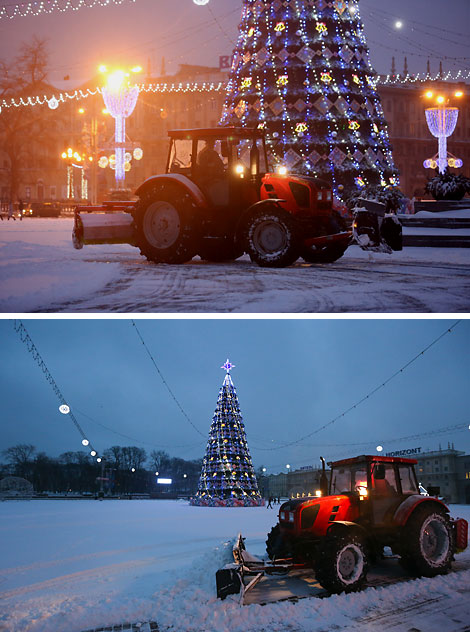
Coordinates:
column 380, row 483
column 226, row 163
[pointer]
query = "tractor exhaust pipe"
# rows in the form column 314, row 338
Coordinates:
column 323, row 478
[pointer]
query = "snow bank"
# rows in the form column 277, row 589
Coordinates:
column 79, row 564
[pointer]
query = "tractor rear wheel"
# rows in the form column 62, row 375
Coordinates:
column 271, row 238
column 329, row 253
column 166, row 231
column 427, row 547
column 342, row 563
column 276, row 545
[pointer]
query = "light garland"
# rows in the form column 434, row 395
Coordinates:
column 41, row 7
column 183, row 88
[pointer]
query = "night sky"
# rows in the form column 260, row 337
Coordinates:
column 292, row 377
column 182, row 32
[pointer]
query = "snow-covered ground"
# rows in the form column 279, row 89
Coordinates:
column 41, row 272
column 72, row 565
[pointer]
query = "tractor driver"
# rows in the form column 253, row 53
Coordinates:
column 209, row 162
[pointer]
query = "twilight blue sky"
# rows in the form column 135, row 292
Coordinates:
column 185, row 33
column 292, row 376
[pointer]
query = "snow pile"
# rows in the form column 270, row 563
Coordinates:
column 77, row 565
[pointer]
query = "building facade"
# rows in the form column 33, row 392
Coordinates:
column 194, row 97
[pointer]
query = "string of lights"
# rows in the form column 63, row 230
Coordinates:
column 40, row 7
column 64, row 408
column 369, row 394
column 212, row 87
column 173, row 396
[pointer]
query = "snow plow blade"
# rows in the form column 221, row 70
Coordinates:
column 111, row 223
column 374, row 229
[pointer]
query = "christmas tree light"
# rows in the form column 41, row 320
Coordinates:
column 227, row 476
column 301, row 71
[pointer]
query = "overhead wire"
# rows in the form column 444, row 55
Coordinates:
column 369, row 394
column 167, row 386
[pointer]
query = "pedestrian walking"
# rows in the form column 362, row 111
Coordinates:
column 11, row 211
column 269, row 505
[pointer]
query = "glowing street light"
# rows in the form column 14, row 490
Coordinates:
column 120, row 99
column 442, row 121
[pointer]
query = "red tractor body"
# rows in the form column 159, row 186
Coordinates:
column 370, row 502
column 219, row 199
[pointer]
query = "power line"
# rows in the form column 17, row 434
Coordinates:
column 370, row 394
column 26, row 339
column 173, row 396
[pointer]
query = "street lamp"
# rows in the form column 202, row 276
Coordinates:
column 77, row 160
column 120, row 99
column 441, row 121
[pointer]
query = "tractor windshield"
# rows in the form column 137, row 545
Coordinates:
column 180, row 155
column 345, row 480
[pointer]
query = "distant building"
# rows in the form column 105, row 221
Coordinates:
column 443, row 472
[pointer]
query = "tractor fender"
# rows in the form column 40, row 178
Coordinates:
column 181, row 181
column 407, row 507
column 342, row 525
column 252, row 209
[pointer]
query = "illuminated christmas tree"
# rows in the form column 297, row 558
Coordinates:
column 301, row 71
column 227, row 476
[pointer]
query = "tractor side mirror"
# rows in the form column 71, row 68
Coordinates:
column 254, row 159
column 379, row 472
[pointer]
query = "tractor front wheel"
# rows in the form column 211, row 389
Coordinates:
column 276, row 546
column 165, row 230
column 427, row 547
column 342, row 563
column 271, row 238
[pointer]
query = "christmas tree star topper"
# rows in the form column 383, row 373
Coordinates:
column 228, row 366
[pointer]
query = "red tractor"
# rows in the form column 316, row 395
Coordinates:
column 370, row 502
column 217, row 199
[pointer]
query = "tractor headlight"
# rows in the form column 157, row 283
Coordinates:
column 239, row 169
column 282, row 170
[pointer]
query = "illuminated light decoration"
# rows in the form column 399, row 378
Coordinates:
column 283, row 80
column 225, row 480
column 53, row 103
column 137, row 153
column 214, row 87
column 300, row 128
column 393, row 181
column 321, row 39
column 103, row 162
column 360, row 182
column 85, row 442
column 356, row 80
column 354, row 125
column 246, row 83
column 98, row 460
column 379, row 448
column 441, row 122
column 280, row 26
column 64, row 409
column 39, row 7
column 93, row 453
column 201, row 3
column 120, row 100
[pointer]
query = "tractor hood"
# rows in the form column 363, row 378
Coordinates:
column 316, row 514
